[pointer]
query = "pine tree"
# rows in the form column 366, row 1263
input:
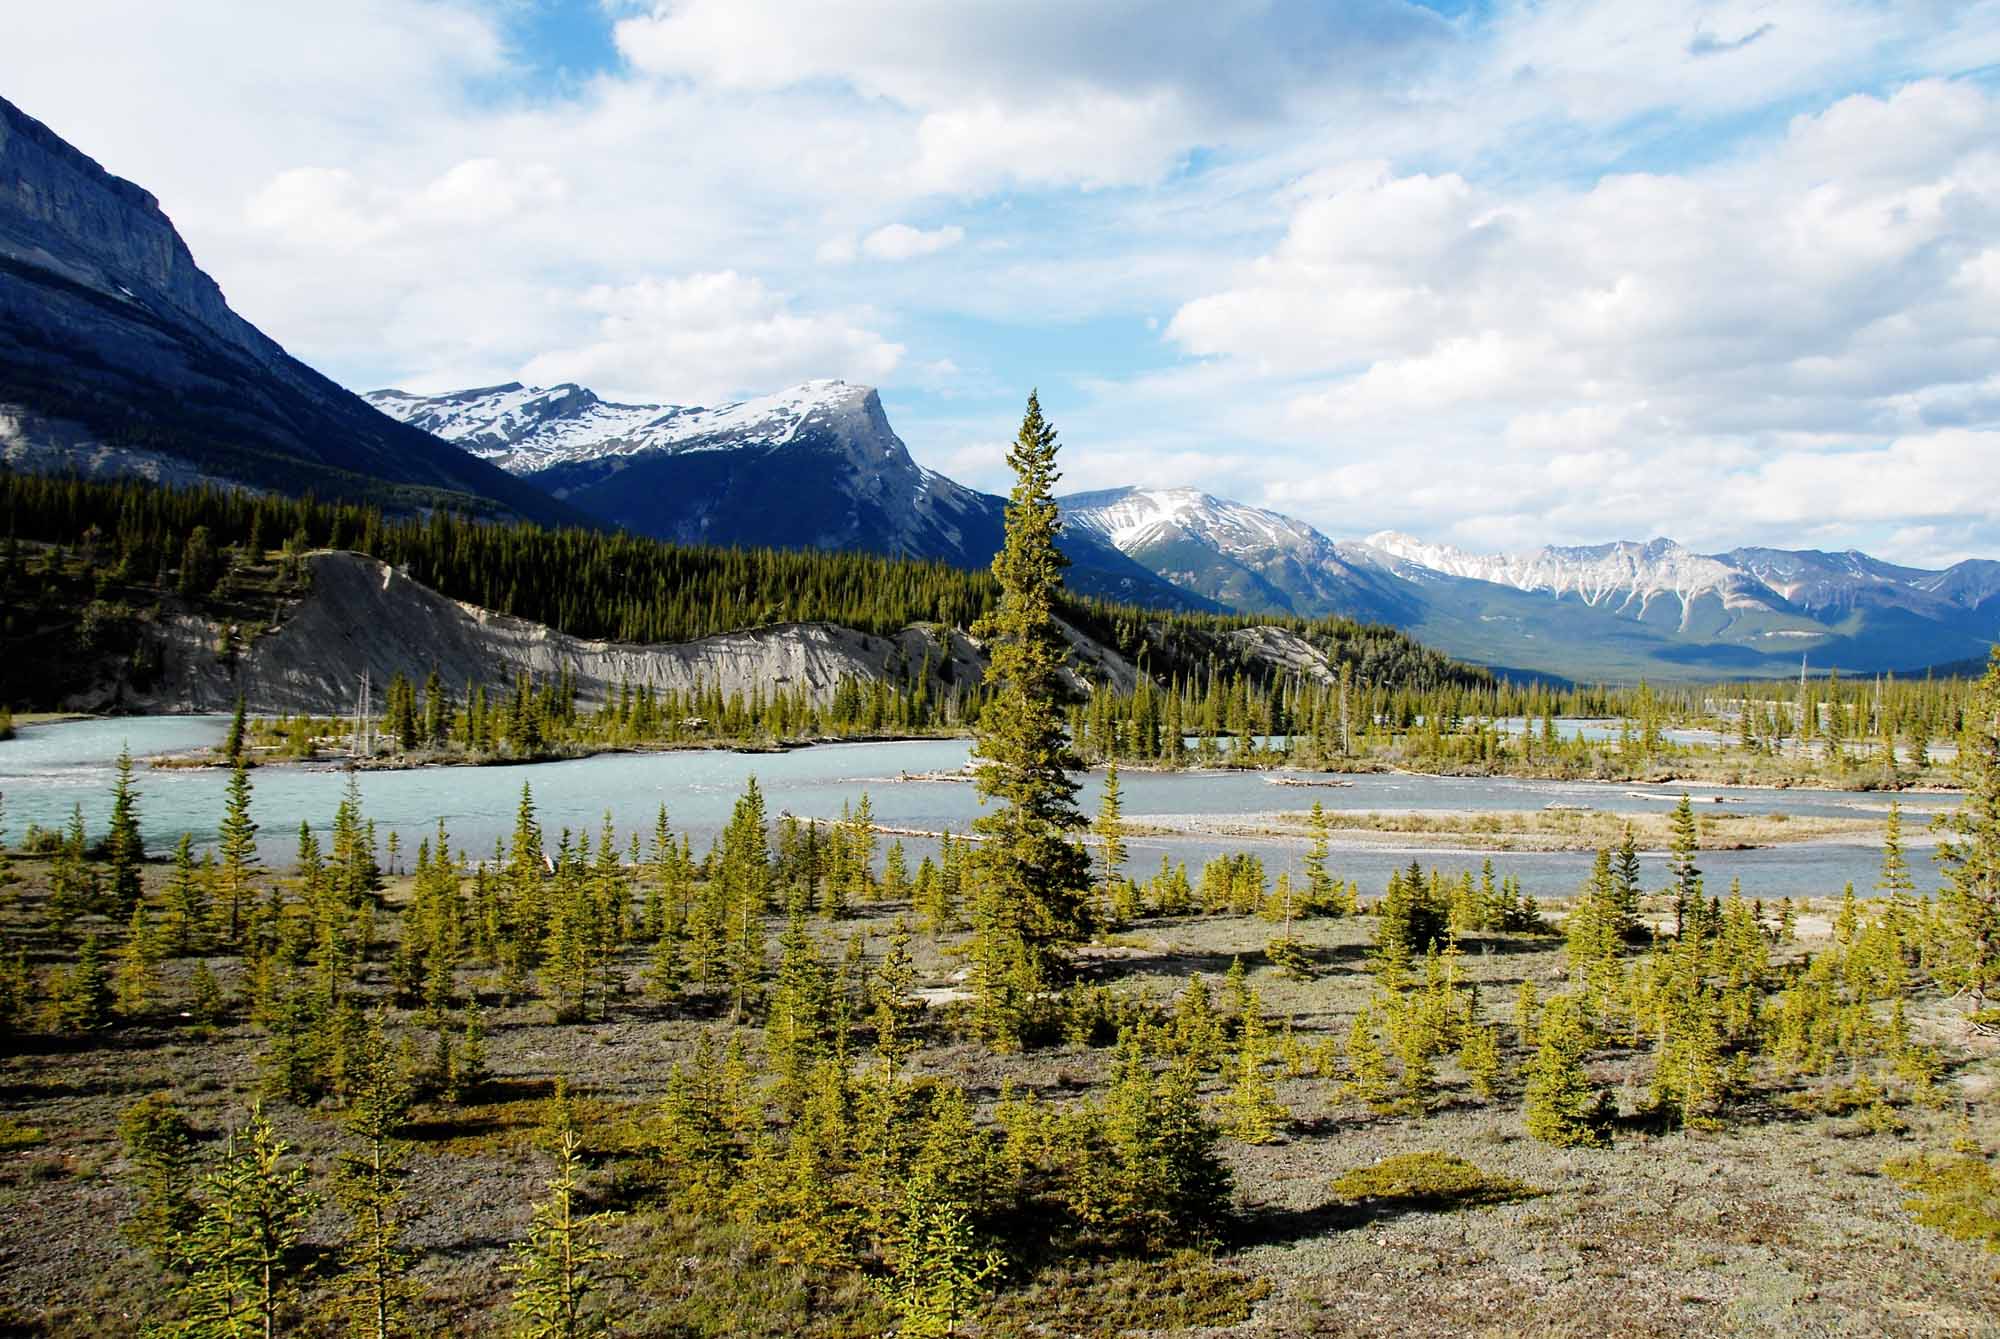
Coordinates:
column 1562, row 1108
column 897, row 1009
column 1479, row 1057
column 1686, row 879
column 1034, row 878
column 184, row 902
column 240, row 1271
column 160, row 1142
column 558, row 1270
column 80, row 999
column 238, row 847
column 232, row 743
column 1109, row 827
column 1969, row 851
column 375, row 1290
column 138, row 956
column 1319, row 884
column 1255, row 1114
column 124, row 846
column 937, row 1266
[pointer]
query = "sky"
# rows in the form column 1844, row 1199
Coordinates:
column 1494, row 273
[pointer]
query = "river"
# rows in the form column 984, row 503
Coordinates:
column 49, row 768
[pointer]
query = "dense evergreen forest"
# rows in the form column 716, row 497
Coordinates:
column 110, row 552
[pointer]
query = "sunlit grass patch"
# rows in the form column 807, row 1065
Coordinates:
column 1959, row 1196
column 1430, row 1180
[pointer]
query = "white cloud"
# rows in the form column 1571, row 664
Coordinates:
column 1751, row 330
column 1042, row 91
column 899, row 241
column 708, row 336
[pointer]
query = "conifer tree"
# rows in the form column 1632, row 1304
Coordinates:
column 238, row 1255
column 1034, row 877
column 81, row 997
column 937, row 1266
column 238, row 847
column 375, row 1290
column 1685, row 882
column 138, row 956
column 1255, row 1114
column 124, row 847
column 896, row 1008
column 185, row 909
column 232, row 744
column 1562, row 1108
column 160, row 1142
column 559, row 1268
column 1479, row 1057
column 1319, row 884
column 1109, row 827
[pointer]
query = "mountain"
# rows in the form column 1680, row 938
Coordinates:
column 1241, row 557
column 814, row 466
column 1661, row 609
column 1616, row 611
column 118, row 355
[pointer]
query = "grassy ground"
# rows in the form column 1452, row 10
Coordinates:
column 1781, row 1225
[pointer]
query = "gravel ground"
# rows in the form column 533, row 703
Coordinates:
column 1781, row 1225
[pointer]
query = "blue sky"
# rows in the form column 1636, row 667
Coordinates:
column 1495, row 274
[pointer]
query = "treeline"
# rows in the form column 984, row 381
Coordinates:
column 612, row 585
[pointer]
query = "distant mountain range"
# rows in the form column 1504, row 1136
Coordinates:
column 818, row 464
column 1618, row 610
column 119, row 355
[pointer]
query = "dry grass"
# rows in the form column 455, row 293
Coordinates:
column 1543, row 829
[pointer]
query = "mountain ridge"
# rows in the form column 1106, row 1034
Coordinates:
column 119, row 354
column 1624, row 608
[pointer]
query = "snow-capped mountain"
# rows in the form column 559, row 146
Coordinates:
column 814, row 466
column 528, row 428
column 1626, row 577
column 1619, row 610
column 1594, row 574
column 1660, row 607
column 1240, row 556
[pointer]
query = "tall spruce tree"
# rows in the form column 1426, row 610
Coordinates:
column 1034, row 876
column 1681, row 847
column 558, row 1268
column 374, row 1284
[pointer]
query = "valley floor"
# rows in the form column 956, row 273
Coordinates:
column 1780, row 1225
